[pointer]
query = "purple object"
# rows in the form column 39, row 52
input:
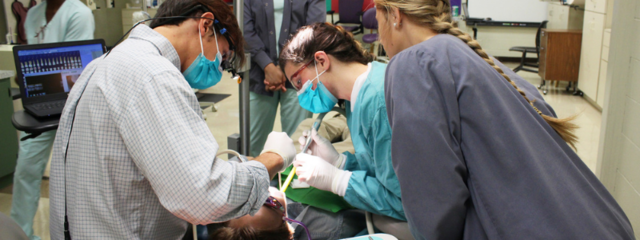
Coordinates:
column 275, row 204
column 370, row 38
column 369, row 21
column 349, row 11
column 456, row 3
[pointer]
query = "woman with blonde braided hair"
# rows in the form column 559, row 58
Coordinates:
column 477, row 152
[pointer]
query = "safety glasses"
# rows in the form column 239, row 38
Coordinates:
column 229, row 62
column 295, row 80
column 272, row 202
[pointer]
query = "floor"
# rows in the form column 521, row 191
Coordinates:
column 225, row 121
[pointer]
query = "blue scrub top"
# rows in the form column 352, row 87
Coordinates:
column 373, row 186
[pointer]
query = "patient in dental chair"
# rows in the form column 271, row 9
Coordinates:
column 270, row 223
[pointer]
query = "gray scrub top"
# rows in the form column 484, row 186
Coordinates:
column 475, row 161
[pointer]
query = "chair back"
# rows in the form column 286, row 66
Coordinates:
column 350, row 11
column 543, row 24
column 369, row 19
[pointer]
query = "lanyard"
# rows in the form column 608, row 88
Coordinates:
column 67, row 233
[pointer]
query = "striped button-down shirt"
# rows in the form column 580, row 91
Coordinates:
column 141, row 162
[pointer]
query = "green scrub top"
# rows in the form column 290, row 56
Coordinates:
column 72, row 22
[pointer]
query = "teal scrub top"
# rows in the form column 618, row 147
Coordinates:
column 373, row 185
column 72, row 22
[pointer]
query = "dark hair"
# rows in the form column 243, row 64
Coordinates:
column 333, row 40
column 249, row 233
column 220, row 10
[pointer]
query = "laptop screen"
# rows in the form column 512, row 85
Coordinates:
column 48, row 71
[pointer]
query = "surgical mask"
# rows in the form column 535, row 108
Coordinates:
column 204, row 73
column 319, row 100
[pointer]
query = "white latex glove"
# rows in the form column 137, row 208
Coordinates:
column 320, row 174
column 322, row 148
column 280, row 143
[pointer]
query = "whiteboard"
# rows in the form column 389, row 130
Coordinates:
column 508, row 10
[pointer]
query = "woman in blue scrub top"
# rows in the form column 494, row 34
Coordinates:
column 325, row 63
column 475, row 156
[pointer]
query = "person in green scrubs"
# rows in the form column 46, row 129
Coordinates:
column 48, row 22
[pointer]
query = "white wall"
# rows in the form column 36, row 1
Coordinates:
column 619, row 158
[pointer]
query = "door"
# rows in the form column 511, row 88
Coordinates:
column 619, row 159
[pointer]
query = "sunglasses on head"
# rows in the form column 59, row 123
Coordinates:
column 272, row 202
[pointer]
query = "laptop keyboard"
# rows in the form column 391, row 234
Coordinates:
column 49, row 105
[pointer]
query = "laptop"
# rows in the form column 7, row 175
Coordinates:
column 47, row 72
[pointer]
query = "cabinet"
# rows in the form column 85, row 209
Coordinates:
column 564, row 17
column 559, row 54
column 590, row 58
column 9, row 139
column 598, row 6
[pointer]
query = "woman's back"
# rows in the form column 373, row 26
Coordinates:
column 461, row 128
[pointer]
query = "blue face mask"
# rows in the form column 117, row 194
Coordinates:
column 204, row 73
column 319, row 100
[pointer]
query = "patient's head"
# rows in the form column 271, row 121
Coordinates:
column 267, row 224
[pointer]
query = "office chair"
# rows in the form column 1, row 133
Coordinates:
column 369, row 22
column 526, row 50
column 350, row 12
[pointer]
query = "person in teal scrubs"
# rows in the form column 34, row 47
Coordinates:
column 325, row 63
column 48, row 22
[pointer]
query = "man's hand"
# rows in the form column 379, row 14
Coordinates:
column 274, row 78
column 280, row 143
column 272, row 161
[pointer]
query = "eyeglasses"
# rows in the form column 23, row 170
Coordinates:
column 272, row 202
column 229, row 63
column 297, row 84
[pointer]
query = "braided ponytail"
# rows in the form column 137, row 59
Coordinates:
column 437, row 15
